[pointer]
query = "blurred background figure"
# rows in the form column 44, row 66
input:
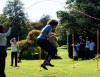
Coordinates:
column 14, row 51
column 3, row 44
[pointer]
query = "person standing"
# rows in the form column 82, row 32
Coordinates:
column 75, row 55
column 91, row 48
column 81, row 52
column 14, row 49
column 3, row 54
column 87, row 52
column 76, row 50
column 44, row 40
column 19, row 54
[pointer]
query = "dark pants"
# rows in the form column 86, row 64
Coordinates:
column 91, row 54
column 14, row 55
column 81, row 53
column 87, row 53
column 19, row 57
column 76, row 58
column 48, row 47
column 3, row 55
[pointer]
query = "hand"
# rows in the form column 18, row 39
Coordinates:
column 50, row 39
column 6, row 26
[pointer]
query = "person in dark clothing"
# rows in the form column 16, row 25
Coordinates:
column 44, row 40
column 82, row 48
column 87, row 52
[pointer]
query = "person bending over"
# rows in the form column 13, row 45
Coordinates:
column 44, row 40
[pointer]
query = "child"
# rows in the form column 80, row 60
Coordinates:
column 76, row 50
column 14, row 50
column 44, row 40
column 19, row 55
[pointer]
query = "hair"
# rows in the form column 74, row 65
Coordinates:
column 13, row 39
column 1, row 28
column 52, row 22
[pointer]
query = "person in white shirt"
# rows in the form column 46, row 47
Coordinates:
column 76, row 50
column 14, row 50
column 91, row 48
column 3, row 43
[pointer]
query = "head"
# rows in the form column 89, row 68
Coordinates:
column 1, row 28
column 14, row 40
column 87, row 38
column 80, row 37
column 53, row 23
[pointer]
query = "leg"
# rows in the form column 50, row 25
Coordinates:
column 91, row 54
column 2, row 66
column 3, row 55
column 51, row 54
column 48, row 61
column 16, row 59
column 19, row 58
column 12, row 57
column 48, row 47
column 83, row 54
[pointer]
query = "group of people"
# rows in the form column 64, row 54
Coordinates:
column 44, row 40
column 84, row 48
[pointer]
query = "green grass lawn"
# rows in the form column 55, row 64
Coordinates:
column 63, row 67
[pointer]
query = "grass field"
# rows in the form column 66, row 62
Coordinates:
column 63, row 67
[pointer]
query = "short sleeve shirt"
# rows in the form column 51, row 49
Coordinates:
column 47, row 29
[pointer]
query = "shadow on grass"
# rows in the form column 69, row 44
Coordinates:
column 36, row 57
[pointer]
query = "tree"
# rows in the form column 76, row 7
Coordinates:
column 61, row 31
column 3, row 18
column 29, row 45
column 37, row 25
column 44, row 19
column 80, row 17
column 75, row 21
column 15, row 12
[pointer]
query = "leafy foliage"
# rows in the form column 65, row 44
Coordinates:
column 44, row 19
column 14, row 11
column 37, row 25
column 29, row 45
column 76, row 22
column 30, row 42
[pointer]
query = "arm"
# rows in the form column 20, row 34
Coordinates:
column 44, row 33
column 6, row 34
column 48, row 37
column 11, row 41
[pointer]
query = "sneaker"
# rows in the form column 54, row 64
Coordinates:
column 43, row 66
column 11, row 65
column 50, row 64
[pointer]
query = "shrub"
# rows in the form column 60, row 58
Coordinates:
column 29, row 45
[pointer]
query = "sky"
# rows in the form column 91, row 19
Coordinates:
column 37, row 8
